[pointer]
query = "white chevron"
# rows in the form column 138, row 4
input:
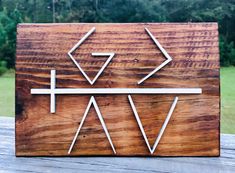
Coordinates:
column 162, row 128
column 167, row 56
column 92, row 101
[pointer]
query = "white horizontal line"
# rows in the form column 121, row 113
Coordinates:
column 118, row 91
column 102, row 54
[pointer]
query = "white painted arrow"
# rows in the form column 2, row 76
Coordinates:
column 167, row 56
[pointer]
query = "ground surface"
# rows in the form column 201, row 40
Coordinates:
column 7, row 97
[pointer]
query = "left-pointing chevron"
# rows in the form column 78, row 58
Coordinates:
column 109, row 54
column 164, row 52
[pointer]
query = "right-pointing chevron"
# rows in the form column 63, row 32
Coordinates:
column 167, row 56
column 162, row 128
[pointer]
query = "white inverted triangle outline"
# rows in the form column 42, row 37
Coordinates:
column 162, row 128
column 110, row 54
column 92, row 101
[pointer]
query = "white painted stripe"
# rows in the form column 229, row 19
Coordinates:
column 165, row 124
column 82, row 40
column 158, row 45
column 75, row 47
column 80, row 126
column 103, row 54
column 119, row 91
column 103, row 123
column 53, row 84
column 139, row 122
column 154, row 71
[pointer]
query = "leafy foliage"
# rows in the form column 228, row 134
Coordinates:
column 8, row 22
column 43, row 11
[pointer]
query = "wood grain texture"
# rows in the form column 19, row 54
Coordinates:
column 10, row 163
column 193, row 129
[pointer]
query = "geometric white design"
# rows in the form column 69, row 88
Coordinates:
column 167, row 56
column 82, row 91
column 111, row 55
column 162, row 128
column 53, row 91
column 92, row 101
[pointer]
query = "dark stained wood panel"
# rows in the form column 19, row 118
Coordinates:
column 193, row 129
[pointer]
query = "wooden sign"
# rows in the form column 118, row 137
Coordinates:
column 117, row 89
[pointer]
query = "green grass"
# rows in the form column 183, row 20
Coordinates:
column 7, row 94
column 7, row 97
column 228, row 99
